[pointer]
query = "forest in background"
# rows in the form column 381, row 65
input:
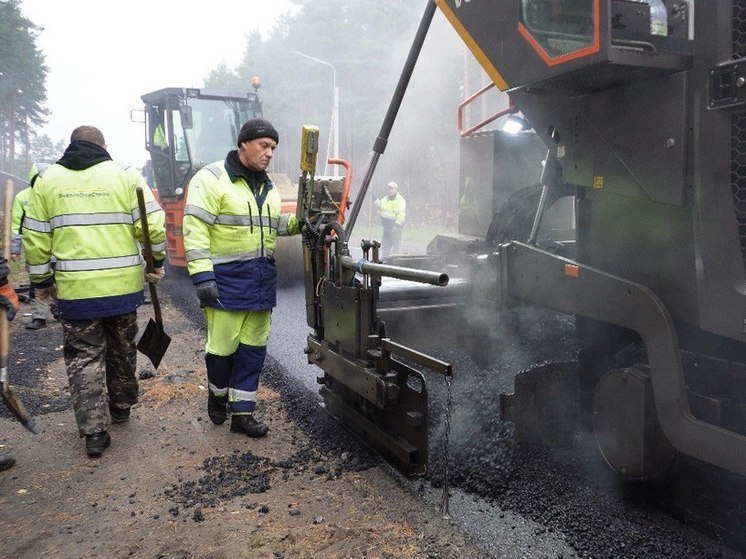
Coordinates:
column 363, row 47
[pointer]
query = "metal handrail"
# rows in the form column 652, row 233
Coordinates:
column 346, row 188
column 512, row 109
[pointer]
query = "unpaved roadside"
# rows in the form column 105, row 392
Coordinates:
column 172, row 485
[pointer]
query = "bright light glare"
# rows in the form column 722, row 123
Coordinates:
column 513, row 124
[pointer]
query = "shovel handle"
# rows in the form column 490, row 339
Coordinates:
column 148, row 254
column 4, row 329
column 8, row 394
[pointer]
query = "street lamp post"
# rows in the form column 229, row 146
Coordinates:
column 335, row 113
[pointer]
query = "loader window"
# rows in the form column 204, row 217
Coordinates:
column 168, row 150
column 179, row 139
column 560, row 29
column 216, row 123
column 158, row 146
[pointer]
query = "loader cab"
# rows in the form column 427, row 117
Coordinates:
column 187, row 129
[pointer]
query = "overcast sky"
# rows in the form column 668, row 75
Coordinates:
column 103, row 55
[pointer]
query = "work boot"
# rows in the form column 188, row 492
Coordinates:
column 246, row 424
column 6, row 462
column 36, row 324
column 96, row 444
column 119, row 415
column 216, row 409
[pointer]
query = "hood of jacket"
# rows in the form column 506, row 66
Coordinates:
column 80, row 155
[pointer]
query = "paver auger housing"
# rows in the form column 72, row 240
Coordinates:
column 370, row 383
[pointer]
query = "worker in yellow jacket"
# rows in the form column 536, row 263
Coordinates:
column 393, row 210
column 39, row 312
column 84, row 214
column 232, row 219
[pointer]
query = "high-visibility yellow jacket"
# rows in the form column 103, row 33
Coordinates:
column 19, row 208
column 16, row 224
column 230, row 236
column 392, row 210
column 159, row 137
column 89, row 221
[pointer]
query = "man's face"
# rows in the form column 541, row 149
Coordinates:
column 256, row 154
column 392, row 192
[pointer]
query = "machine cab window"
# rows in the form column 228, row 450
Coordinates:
column 190, row 128
column 559, row 28
column 215, row 128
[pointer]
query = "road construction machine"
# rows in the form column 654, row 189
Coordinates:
column 186, row 129
column 640, row 108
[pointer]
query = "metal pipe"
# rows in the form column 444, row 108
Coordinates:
column 537, row 218
column 364, row 266
column 393, row 291
column 379, row 146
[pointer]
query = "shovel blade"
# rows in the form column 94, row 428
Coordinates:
column 154, row 342
column 15, row 405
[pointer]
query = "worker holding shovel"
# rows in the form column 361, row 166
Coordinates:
column 84, row 213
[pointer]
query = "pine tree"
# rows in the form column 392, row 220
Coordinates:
column 22, row 84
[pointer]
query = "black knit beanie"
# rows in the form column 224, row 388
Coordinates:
column 257, row 128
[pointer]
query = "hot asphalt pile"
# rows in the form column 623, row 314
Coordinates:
column 226, row 477
column 571, row 492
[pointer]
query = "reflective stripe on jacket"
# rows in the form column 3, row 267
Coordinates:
column 231, row 237
column 89, row 221
column 395, row 209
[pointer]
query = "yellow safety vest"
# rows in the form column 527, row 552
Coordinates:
column 231, row 238
column 16, row 224
column 395, row 209
column 89, row 221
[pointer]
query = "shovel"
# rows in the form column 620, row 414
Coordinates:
column 10, row 398
column 154, row 341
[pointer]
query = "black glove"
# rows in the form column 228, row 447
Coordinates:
column 309, row 232
column 207, row 291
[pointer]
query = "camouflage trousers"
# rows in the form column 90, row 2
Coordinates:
column 101, row 357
